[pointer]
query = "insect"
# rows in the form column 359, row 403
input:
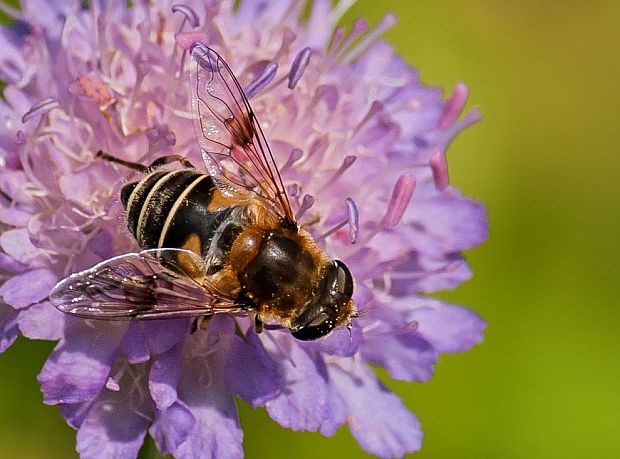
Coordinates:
column 220, row 242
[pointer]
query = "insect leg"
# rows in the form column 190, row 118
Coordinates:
column 113, row 159
column 170, row 159
column 258, row 324
column 201, row 323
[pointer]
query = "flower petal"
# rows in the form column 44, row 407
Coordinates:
column 164, row 377
column 135, row 345
column 28, row 288
column 378, row 420
column 172, row 427
column 448, row 328
column 8, row 326
column 115, row 426
column 79, row 366
column 303, row 403
column 204, row 391
column 42, row 321
column 249, row 370
column 447, row 222
column 17, row 244
column 162, row 335
column 406, row 356
column 341, row 342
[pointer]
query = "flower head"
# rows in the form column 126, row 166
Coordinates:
column 361, row 146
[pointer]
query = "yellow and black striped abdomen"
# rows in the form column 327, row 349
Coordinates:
column 170, row 209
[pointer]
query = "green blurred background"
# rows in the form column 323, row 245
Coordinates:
column 546, row 161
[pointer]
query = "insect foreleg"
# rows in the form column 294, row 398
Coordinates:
column 113, row 159
column 170, row 159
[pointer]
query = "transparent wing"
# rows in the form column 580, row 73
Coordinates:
column 231, row 139
column 137, row 286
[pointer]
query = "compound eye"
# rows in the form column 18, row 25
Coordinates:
column 317, row 328
column 344, row 279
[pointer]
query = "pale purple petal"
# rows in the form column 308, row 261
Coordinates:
column 17, row 244
column 378, row 420
column 406, row 356
column 75, row 413
column 28, row 288
column 42, row 321
column 14, row 217
column 162, row 335
column 172, row 427
column 135, row 346
column 164, row 377
column 115, row 426
column 447, row 223
column 8, row 326
column 10, row 265
column 249, row 370
column 217, row 432
column 303, row 404
column 341, row 342
column 79, row 366
column 449, row 328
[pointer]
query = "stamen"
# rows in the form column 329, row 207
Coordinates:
column 190, row 14
column 375, row 108
column 299, row 66
column 339, row 10
column 388, row 21
column 336, row 39
column 401, row 195
column 101, row 26
column 331, row 231
column 439, row 166
column 454, row 106
column 353, row 218
column 306, row 203
column 113, row 381
column 346, row 163
column 42, row 107
column 293, row 157
column 269, row 72
column 12, row 12
column 360, row 27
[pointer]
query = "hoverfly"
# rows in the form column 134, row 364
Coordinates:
column 225, row 241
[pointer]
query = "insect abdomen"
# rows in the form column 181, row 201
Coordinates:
column 170, row 209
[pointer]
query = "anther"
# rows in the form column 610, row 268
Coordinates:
column 293, row 157
column 299, row 67
column 269, row 72
column 388, row 21
column 346, row 163
column 306, row 203
column 439, row 166
column 42, row 107
column 454, row 106
column 353, row 219
column 401, row 195
column 190, row 14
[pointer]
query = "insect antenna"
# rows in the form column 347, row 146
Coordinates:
column 113, row 159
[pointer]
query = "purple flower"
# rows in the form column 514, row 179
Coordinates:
column 361, row 144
